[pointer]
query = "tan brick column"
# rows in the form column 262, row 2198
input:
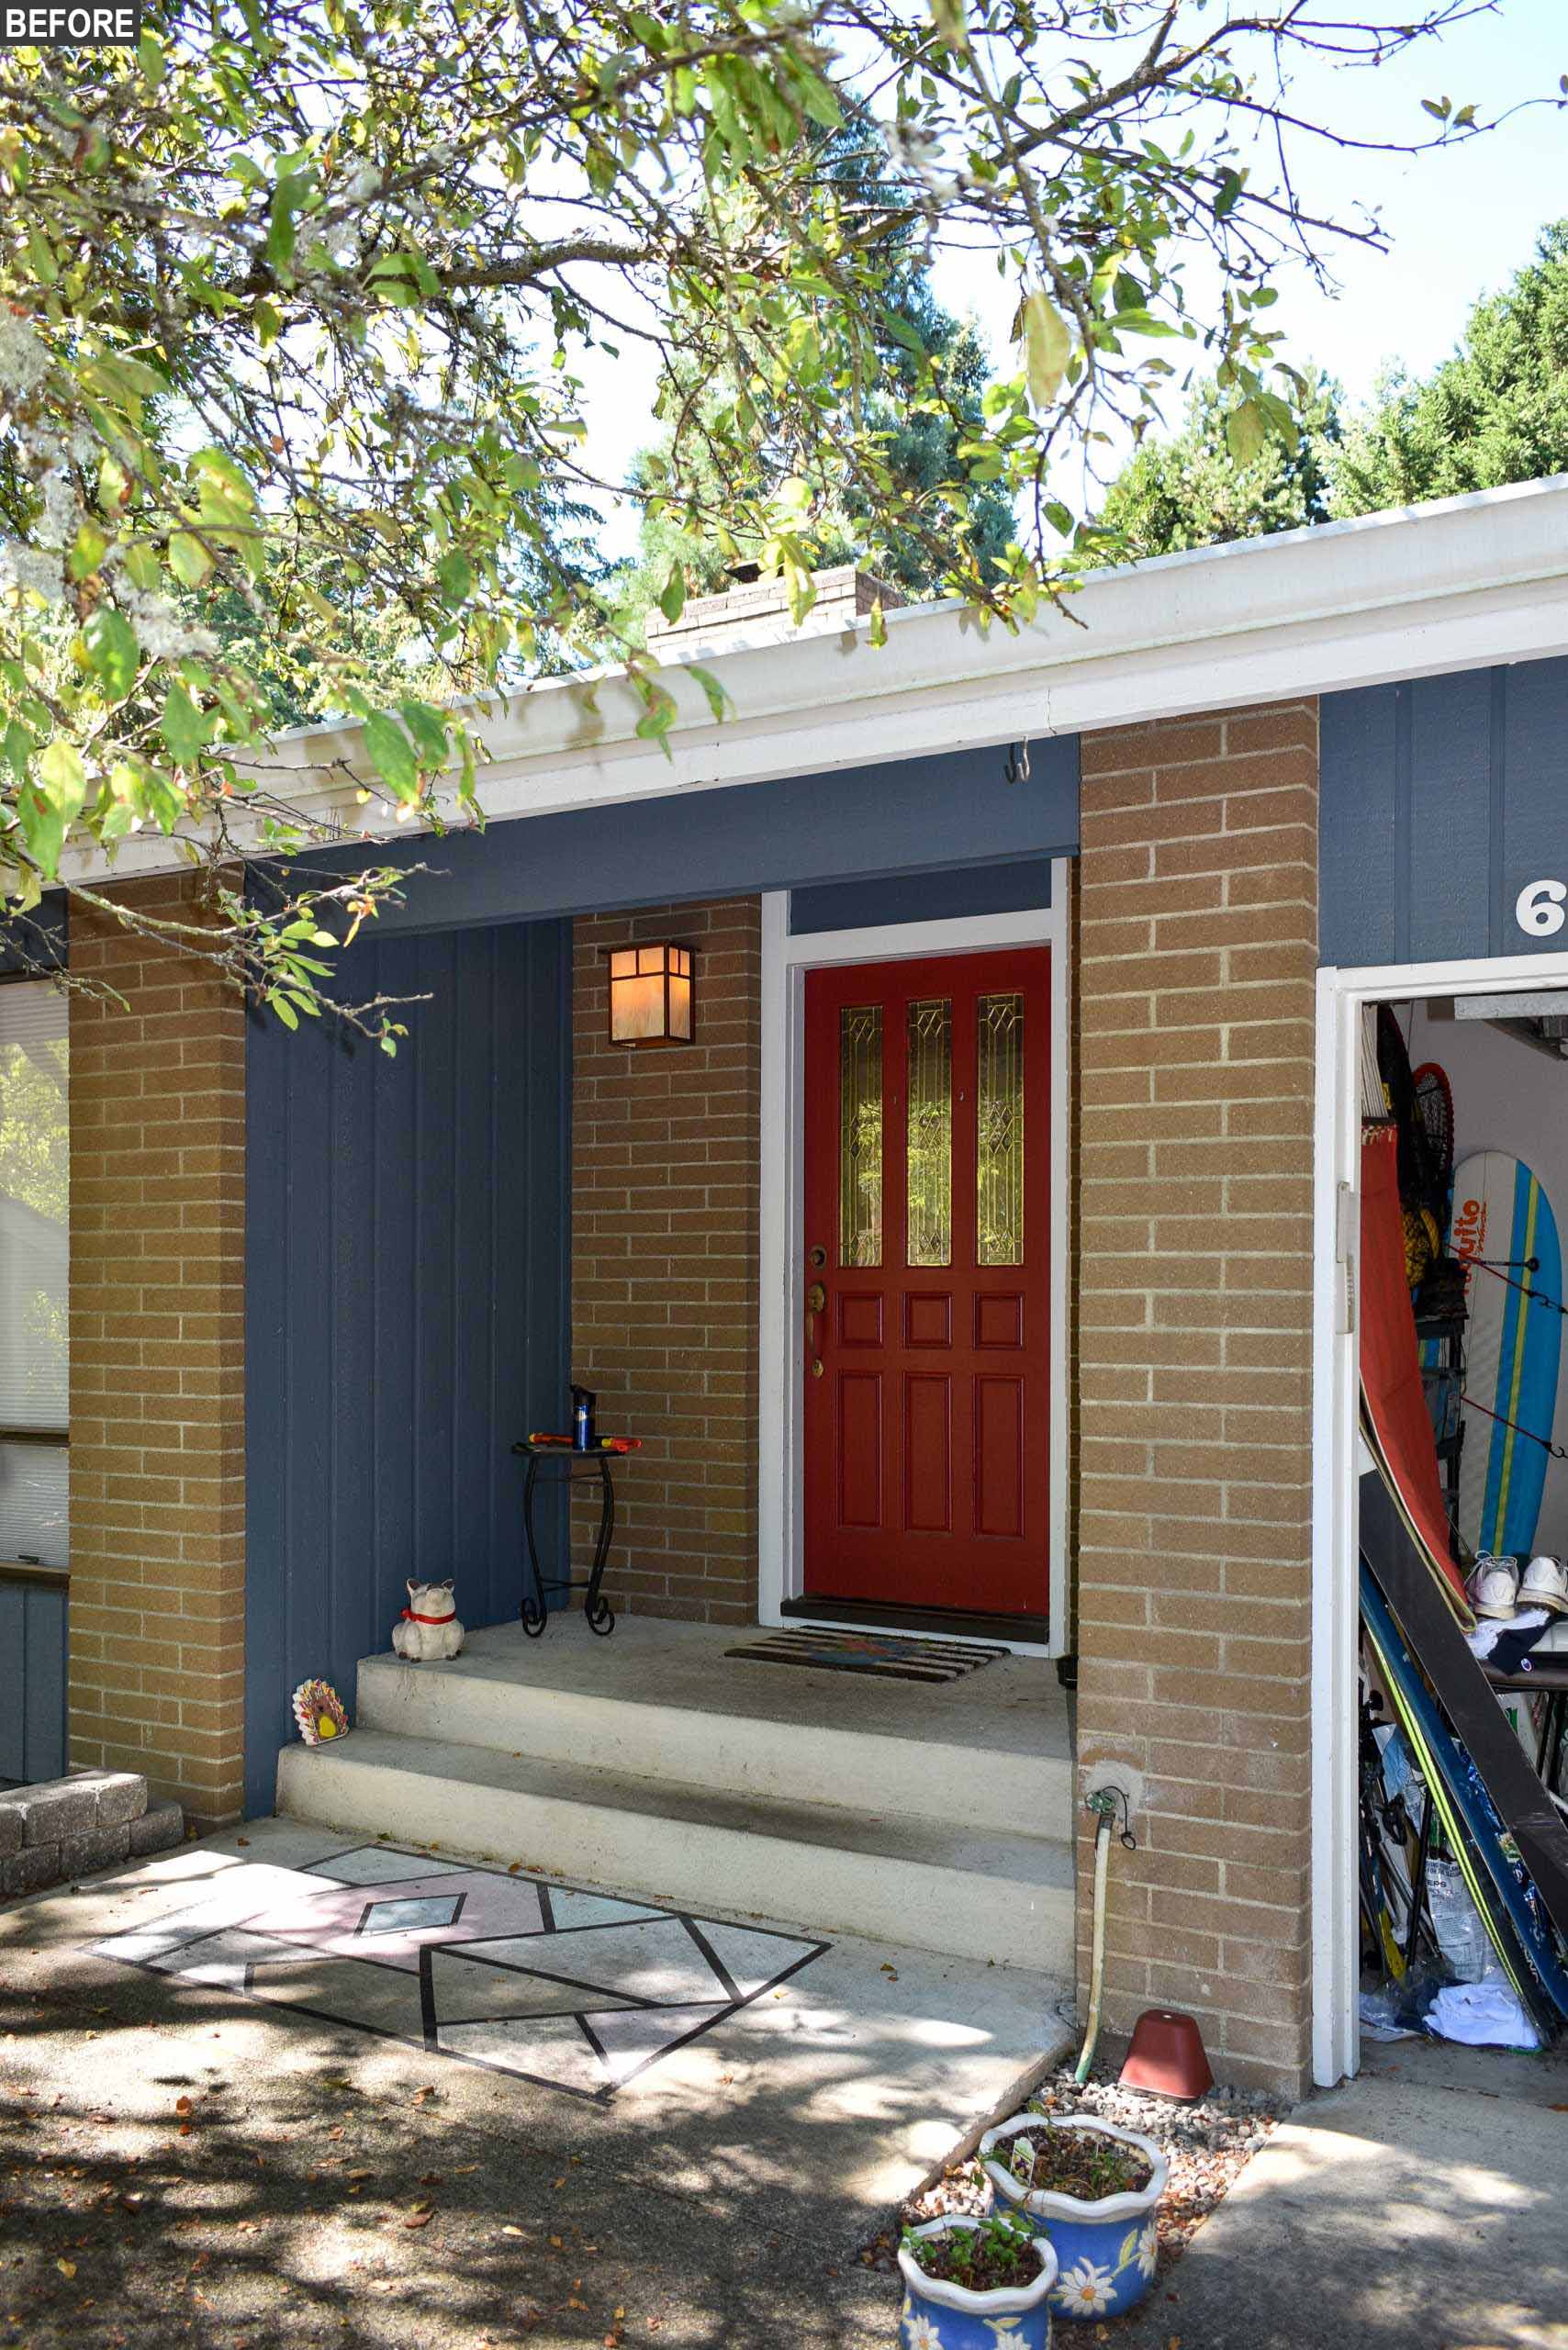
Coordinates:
column 666, row 1192
column 157, row 1365
column 1197, row 952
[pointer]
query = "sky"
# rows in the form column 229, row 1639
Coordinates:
column 1460, row 221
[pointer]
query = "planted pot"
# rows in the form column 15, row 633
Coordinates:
column 944, row 2313
column 1107, row 2242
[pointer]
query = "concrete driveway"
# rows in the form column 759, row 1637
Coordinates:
column 1423, row 2206
column 187, row 2163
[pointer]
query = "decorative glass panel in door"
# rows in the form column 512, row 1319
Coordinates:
column 860, row 1134
column 999, row 1129
column 930, row 1132
column 924, row 1249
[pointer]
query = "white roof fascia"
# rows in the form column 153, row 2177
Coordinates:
column 1461, row 583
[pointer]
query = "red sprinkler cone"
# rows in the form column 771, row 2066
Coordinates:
column 1167, row 2056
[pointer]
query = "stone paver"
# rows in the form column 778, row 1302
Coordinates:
column 66, row 1828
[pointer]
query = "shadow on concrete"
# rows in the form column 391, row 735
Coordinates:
column 1420, row 2207
column 185, row 2165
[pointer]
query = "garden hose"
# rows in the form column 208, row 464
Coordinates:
column 1103, row 1804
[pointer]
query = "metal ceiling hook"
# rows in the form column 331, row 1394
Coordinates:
column 1016, row 765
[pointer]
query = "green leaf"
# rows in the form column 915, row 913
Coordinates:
column 182, row 726
column 43, row 829
column 285, row 1010
column 455, row 574
column 718, row 700
column 1048, row 344
column 1245, row 431
column 150, row 57
column 287, row 198
column 112, row 648
column 59, row 767
column 49, row 806
column 143, row 569
column 188, row 559
column 949, row 19
column 16, row 746
column 1229, row 195
column 87, row 552
column 428, row 729
column 392, row 753
column 672, row 594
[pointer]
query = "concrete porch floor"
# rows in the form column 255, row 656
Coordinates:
column 1012, row 1708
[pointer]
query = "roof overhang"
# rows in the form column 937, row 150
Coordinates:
column 1460, row 584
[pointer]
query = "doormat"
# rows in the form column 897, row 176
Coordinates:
column 568, row 1986
column 887, row 1656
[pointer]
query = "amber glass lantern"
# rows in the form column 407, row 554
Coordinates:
column 650, row 995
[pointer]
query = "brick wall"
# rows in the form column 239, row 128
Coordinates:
column 157, row 1364
column 664, row 1200
column 1197, row 953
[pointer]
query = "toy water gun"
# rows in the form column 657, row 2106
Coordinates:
column 605, row 1444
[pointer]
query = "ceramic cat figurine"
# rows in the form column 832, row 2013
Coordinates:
column 428, row 1628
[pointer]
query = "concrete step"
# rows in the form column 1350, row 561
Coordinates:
column 969, row 1893
column 665, row 1700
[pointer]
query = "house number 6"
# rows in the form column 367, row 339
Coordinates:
column 1538, row 907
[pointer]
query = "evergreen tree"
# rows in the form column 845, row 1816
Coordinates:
column 931, row 374
column 1496, row 411
column 1195, row 490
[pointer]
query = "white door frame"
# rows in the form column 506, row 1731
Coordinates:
column 781, row 1320
column 1336, row 1441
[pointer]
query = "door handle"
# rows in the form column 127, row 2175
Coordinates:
column 816, row 1301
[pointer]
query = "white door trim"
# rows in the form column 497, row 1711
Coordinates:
column 1336, row 1606
column 781, row 1364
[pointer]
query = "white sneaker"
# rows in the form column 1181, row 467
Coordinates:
column 1494, row 1586
column 1544, row 1584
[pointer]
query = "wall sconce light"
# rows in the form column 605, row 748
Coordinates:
column 650, row 995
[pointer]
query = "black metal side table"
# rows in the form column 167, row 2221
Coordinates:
column 533, row 1613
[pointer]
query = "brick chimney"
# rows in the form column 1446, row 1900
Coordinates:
column 755, row 610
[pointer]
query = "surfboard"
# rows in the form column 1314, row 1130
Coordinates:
column 1395, row 1415
column 1513, row 1348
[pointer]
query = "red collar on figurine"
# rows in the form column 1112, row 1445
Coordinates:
column 409, row 1617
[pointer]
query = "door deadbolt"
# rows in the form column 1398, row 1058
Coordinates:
column 816, row 1258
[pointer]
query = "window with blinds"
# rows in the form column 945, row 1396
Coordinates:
column 34, row 1187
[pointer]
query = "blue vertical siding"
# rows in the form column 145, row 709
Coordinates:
column 1440, row 798
column 33, row 1617
column 408, row 1310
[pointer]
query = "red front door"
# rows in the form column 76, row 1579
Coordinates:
column 927, row 1282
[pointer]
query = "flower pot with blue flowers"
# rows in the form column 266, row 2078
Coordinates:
column 1094, row 2189
column 971, row 2282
